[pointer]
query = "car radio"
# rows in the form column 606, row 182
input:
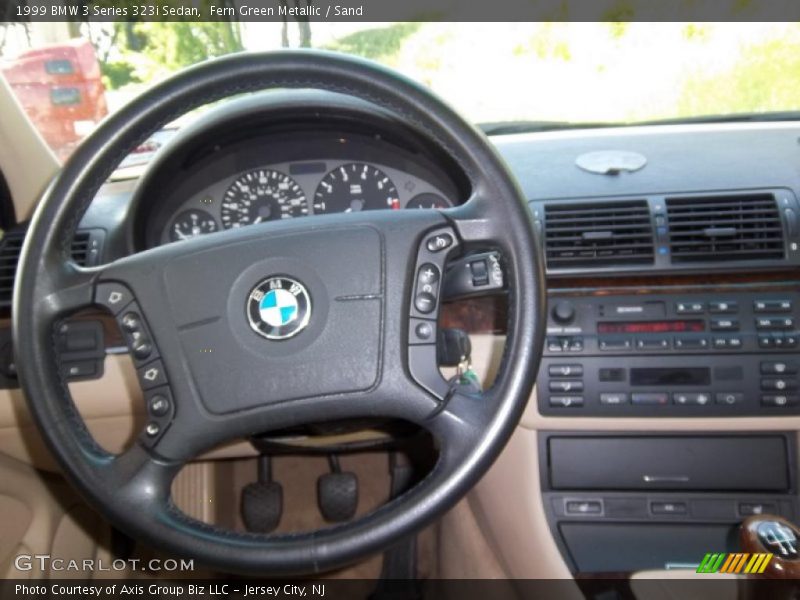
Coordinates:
column 686, row 355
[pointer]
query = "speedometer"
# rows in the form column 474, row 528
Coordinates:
column 262, row 195
column 353, row 187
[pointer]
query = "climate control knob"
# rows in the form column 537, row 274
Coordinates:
column 563, row 312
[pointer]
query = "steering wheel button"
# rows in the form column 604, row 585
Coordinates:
column 425, row 302
column 114, row 296
column 131, row 321
column 439, row 242
column 424, row 330
column 428, row 276
column 152, row 429
column 142, row 349
column 152, row 375
column 158, row 405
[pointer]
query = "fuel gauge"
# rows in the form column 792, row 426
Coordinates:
column 191, row 223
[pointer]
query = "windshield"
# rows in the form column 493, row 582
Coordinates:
column 68, row 77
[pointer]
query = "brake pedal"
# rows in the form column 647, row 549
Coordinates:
column 262, row 501
column 337, row 493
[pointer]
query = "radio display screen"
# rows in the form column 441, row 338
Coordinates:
column 657, row 376
column 683, row 326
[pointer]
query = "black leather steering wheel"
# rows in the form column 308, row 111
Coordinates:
column 187, row 307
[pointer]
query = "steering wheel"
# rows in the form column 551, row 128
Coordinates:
column 233, row 322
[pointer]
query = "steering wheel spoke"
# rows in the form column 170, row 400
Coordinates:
column 141, row 479
column 69, row 289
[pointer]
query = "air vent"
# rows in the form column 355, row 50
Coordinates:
column 84, row 251
column 10, row 247
column 81, row 248
column 724, row 228
column 598, row 234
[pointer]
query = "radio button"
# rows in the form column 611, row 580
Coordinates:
column 747, row 509
column 778, row 368
column 779, row 385
column 650, row 398
column 724, row 324
column 729, row 398
column 772, row 306
column 565, row 370
column 554, row 345
column 690, row 308
column 668, row 508
column 775, row 323
column 766, row 341
column 614, row 344
column 583, row 507
column 614, row 398
column 691, row 343
column 566, row 386
column 727, row 343
column 721, row 308
column 790, row 340
column 691, row 399
column 611, row 374
column 566, row 401
column 779, row 400
column 575, row 344
column 653, row 344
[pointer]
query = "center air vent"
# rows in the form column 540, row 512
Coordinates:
column 724, row 228
column 598, row 234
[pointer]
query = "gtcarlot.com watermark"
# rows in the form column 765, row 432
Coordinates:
column 45, row 562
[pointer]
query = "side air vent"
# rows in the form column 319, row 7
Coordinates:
column 598, row 234
column 10, row 247
column 724, row 228
column 85, row 251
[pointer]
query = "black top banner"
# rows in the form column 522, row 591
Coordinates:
column 397, row 10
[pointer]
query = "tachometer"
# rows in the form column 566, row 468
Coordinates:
column 353, row 187
column 191, row 223
column 262, row 195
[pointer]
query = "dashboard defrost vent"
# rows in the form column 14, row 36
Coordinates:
column 598, row 234
column 724, row 228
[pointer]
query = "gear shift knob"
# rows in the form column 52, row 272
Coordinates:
column 768, row 533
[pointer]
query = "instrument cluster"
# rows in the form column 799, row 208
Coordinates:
column 294, row 189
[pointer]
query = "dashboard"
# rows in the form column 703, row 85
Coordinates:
column 673, row 307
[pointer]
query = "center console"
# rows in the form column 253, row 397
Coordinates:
column 680, row 355
column 639, row 501
column 620, row 502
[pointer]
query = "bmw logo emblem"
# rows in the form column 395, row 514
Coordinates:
column 279, row 308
